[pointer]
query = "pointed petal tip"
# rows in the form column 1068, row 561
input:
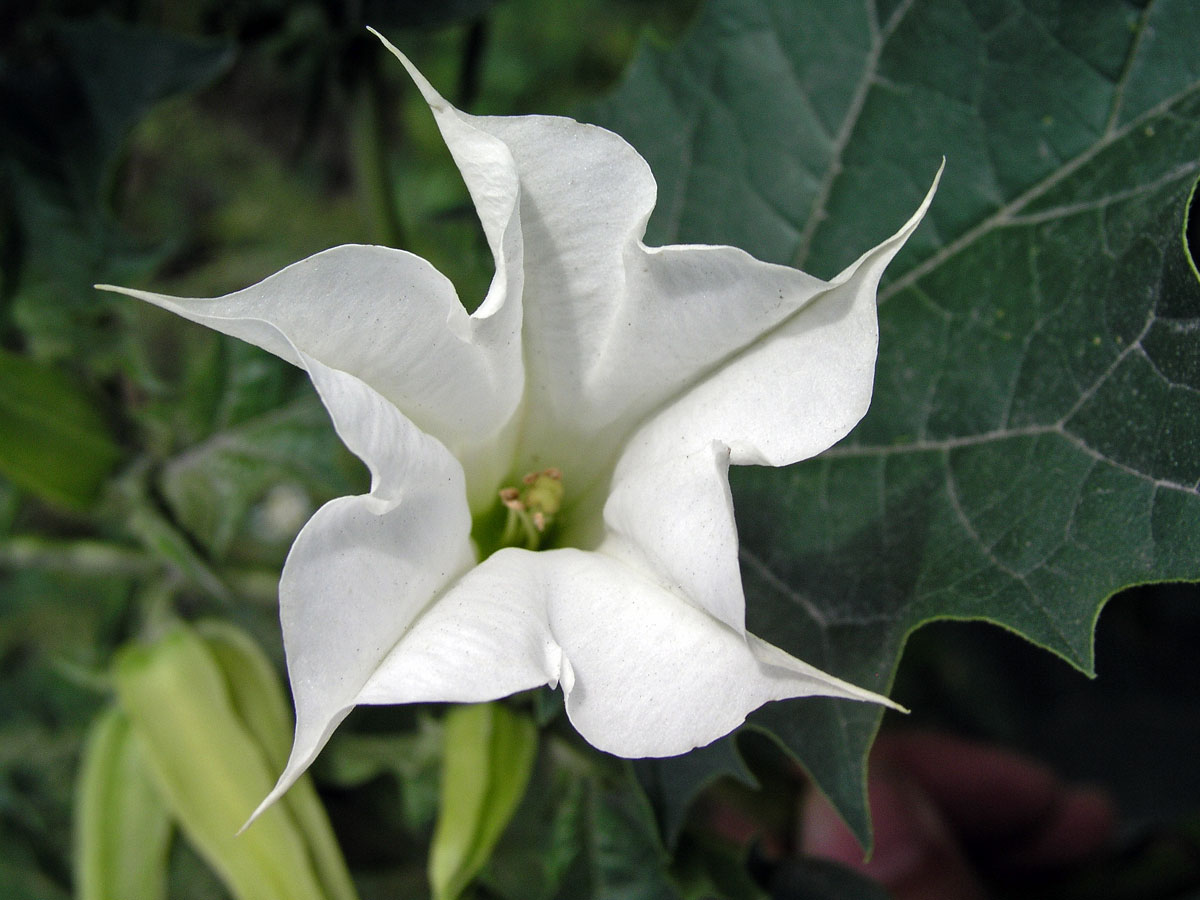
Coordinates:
column 432, row 97
column 262, row 808
column 915, row 219
column 937, row 179
column 844, row 690
column 850, row 691
column 286, row 780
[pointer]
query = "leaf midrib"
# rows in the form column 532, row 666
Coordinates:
column 879, row 39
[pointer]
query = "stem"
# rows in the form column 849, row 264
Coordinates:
column 371, row 157
column 472, row 61
column 102, row 559
column 84, row 557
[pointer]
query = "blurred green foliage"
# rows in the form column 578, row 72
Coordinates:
column 145, row 464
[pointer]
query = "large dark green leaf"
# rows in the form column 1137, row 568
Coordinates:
column 1034, row 441
column 63, row 119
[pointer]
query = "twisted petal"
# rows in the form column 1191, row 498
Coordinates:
column 644, row 672
column 364, row 568
column 612, row 329
column 792, row 393
column 654, row 675
column 672, row 517
column 392, row 320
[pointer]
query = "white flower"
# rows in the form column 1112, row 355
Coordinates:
column 639, row 373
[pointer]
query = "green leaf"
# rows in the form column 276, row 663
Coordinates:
column 66, row 119
column 489, row 752
column 1033, row 445
column 263, row 451
column 671, row 787
column 624, row 855
column 54, row 439
column 143, row 519
column 581, row 833
column 286, row 457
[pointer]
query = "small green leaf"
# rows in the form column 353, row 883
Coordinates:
column 625, row 855
column 262, row 452
column 488, row 755
column 54, row 439
column 288, row 457
column 671, row 788
column 163, row 539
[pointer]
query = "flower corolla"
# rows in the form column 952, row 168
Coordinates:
column 589, row 408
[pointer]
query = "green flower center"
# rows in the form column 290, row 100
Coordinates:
column 531, row 509
column 526, row 516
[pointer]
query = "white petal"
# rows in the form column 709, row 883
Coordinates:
column 796, row 390
column 654, row 675
column 673, row 518
column 785, row 397
column 391, row 319
column 486, row 637
column 364, row 568
column 644, row 672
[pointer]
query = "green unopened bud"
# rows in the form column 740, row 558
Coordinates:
column 488, row 755
column 122, row 826
column 211, row 720
column 260, row 703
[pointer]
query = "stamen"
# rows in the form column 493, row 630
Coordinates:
column 532, row 508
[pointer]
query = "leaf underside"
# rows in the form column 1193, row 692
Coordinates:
column 1033, row 445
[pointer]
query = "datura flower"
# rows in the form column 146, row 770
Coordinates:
column 549, row 499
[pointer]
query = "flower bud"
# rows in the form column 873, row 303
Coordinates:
column 212, row 723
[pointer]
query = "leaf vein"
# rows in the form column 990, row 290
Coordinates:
column 750, row 558
column 849, row 121
column 1004, row 215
